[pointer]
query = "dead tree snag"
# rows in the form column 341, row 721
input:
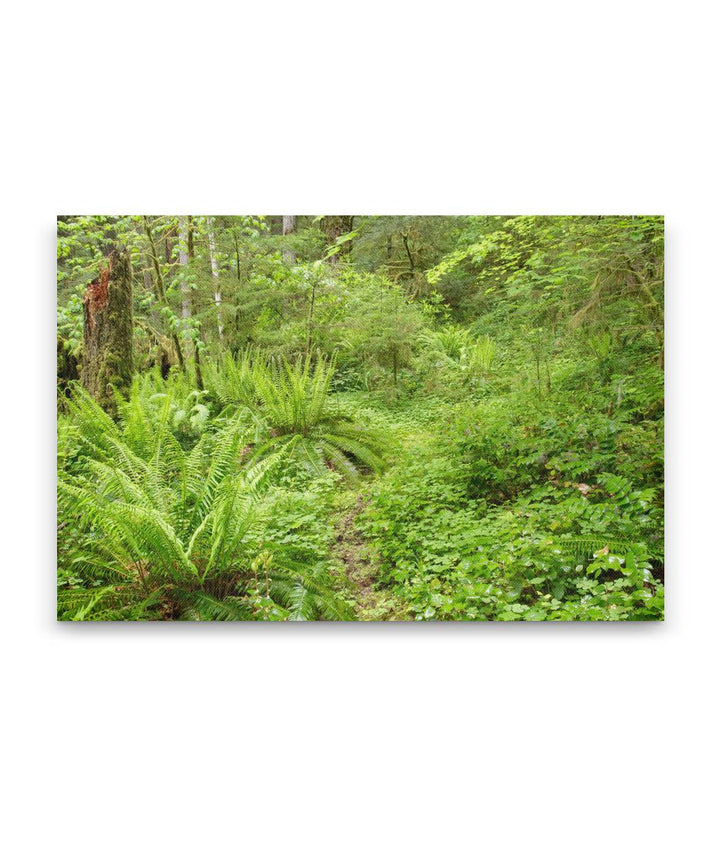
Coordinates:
column 107, row 362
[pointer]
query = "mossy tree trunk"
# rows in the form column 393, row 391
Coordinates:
column 107, row 360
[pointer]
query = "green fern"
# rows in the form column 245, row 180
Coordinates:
column 232, row 382
column 175, row 533
column 293, row 401
column 585, row 547
column 449, row 341
column 478, row 356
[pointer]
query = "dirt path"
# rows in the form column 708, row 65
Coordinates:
column 354, row 556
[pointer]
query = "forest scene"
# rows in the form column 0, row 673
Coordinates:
column 360, row 418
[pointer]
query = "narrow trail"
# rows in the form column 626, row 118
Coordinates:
column 357, row 566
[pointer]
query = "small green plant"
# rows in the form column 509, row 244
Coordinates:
column 293, row 400
column 477, row 357
column 232, row 383
column 602, row 345
column 448, row 340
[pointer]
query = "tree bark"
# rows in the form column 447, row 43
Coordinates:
column 183, row 259
column 107, row 360
column 289, row 227
column 194, row 308
column 214, row 270
column 237, row 256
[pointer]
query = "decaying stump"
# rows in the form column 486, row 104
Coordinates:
column 108, row 331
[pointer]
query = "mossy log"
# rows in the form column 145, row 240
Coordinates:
column 107, row 361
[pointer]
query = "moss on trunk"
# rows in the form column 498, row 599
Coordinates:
column 107, row 362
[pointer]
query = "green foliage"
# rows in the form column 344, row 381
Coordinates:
column 232, row 382
column 304, row 424
column 499, row 517
column 478, row 357
column 455, row 557
column 450, row 341
column 175, row 533
column 474, row 405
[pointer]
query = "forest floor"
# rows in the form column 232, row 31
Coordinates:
column 357, row 565
column 354, row 558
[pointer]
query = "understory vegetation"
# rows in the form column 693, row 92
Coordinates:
column 361, row 418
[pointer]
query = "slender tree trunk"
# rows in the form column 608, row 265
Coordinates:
column 160, row 292
column 196, row 332
column 289, row 227
column 216, row 277
column 107, row 360
column 237, row 256
column 183, row 259
column 409, row 254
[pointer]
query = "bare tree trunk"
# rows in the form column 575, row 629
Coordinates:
column 289, row 227
column 237, row 256
column 409, row 254
column 216, row 277
column 197, row 333
column 107, row 360
column 183, row 259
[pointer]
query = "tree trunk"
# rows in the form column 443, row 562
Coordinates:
column 289, row 227
column 107, row 361
column 214, row 270
column 160, row 292
column 237, row 256
column 183, row 259
column 196, row 333
column 334, row 226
